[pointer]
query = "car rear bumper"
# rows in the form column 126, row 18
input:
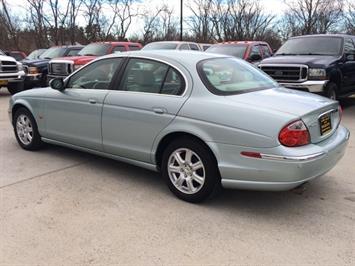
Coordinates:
column 316, row 86
column 280, row 168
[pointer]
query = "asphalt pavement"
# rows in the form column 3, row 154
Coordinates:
column 64, row 207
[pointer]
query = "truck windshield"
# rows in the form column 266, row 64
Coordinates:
column 53, row 53
column 321, row 45
column 35, row 54
column 237, row 50
column 95, row 49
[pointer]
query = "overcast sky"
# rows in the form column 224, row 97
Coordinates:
column 275, row 7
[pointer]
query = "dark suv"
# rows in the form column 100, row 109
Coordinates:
column 37, row 69
column 322, row 64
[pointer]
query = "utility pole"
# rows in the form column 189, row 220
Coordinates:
column 181, row 18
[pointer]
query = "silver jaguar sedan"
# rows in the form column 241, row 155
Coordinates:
column 202, row 120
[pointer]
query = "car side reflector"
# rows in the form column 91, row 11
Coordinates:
column 251, row 154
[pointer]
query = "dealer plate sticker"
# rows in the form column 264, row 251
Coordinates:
column 325, row 124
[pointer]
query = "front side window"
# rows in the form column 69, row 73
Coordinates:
column 142, row 75
column 225, row 76
column 255, row 50
column 184, row 46
column 312, row 46
column 349, row 46
column 266, row 51
column 97, row 75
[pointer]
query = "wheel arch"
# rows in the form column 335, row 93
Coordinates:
column 336, row 76
column 21, row 104
column 169, row 137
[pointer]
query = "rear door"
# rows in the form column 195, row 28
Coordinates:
column 151, row 94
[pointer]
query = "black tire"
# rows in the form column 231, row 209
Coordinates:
column 14, row 88
column 331, row 91
column 36, row 142
column 211, row 172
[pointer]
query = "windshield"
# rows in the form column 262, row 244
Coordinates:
column 160, row 45
column 35, row 54
column 95, row 49
column 237, row 50
column 225, row 76
column 311, row 46
column 53, row 53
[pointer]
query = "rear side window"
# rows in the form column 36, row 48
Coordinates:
column 73, row 52
column 134, row 47
column 255, row 50
column 119, row 49
column 143, row 75
column 194, row 47
column 184, row 46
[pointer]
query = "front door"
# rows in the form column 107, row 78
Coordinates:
column 73, row 115
column 151, row 94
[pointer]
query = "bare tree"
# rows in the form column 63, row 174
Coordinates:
column 74, row 9
column 9, row 24
column 312, row 16
column 350, row 19
column 200, row 22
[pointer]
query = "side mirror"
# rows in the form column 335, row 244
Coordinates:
column 350, row 57
column 255, row 57
column 57, row 84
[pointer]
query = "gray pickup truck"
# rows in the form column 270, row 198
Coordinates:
column 11, row 73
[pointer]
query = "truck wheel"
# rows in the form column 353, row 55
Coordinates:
column 331, row 91
column 14, row 88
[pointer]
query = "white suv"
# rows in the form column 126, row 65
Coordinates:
column 11, row 73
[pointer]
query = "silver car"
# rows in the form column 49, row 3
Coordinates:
column 200, row 119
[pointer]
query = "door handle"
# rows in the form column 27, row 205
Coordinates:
column 159, row 110
column 92, row 101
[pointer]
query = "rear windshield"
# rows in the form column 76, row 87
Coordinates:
column 95, row 49
column 53, row 53
column 153, row 46
column 225, row 76
column 321, row 45
column 237, row 50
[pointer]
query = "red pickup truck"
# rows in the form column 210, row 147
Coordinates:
column 62, row 67
column 251, row 51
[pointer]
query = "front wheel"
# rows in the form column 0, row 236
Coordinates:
column 26, row 130
column 190, row 170
column 331, row 91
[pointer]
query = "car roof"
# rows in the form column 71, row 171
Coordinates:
column 241, row 42
column 177, row 42
column 115, row 43
column 184, row 57
column 323, row 35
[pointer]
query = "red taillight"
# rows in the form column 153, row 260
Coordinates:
column 294, row 134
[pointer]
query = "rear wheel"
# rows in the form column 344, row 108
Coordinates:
column 190, row 170
column 331, row 91
column 14, row 88
column 26, row 130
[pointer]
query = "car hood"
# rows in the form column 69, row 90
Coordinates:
column 310, row 60
column 7, row 58
column 283, row 100
column 36, row 62
column 77, row 60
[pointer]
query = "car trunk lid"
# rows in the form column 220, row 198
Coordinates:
column 321, row 115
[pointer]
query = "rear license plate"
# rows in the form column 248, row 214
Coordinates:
column 3, row 82
column 325, row 124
